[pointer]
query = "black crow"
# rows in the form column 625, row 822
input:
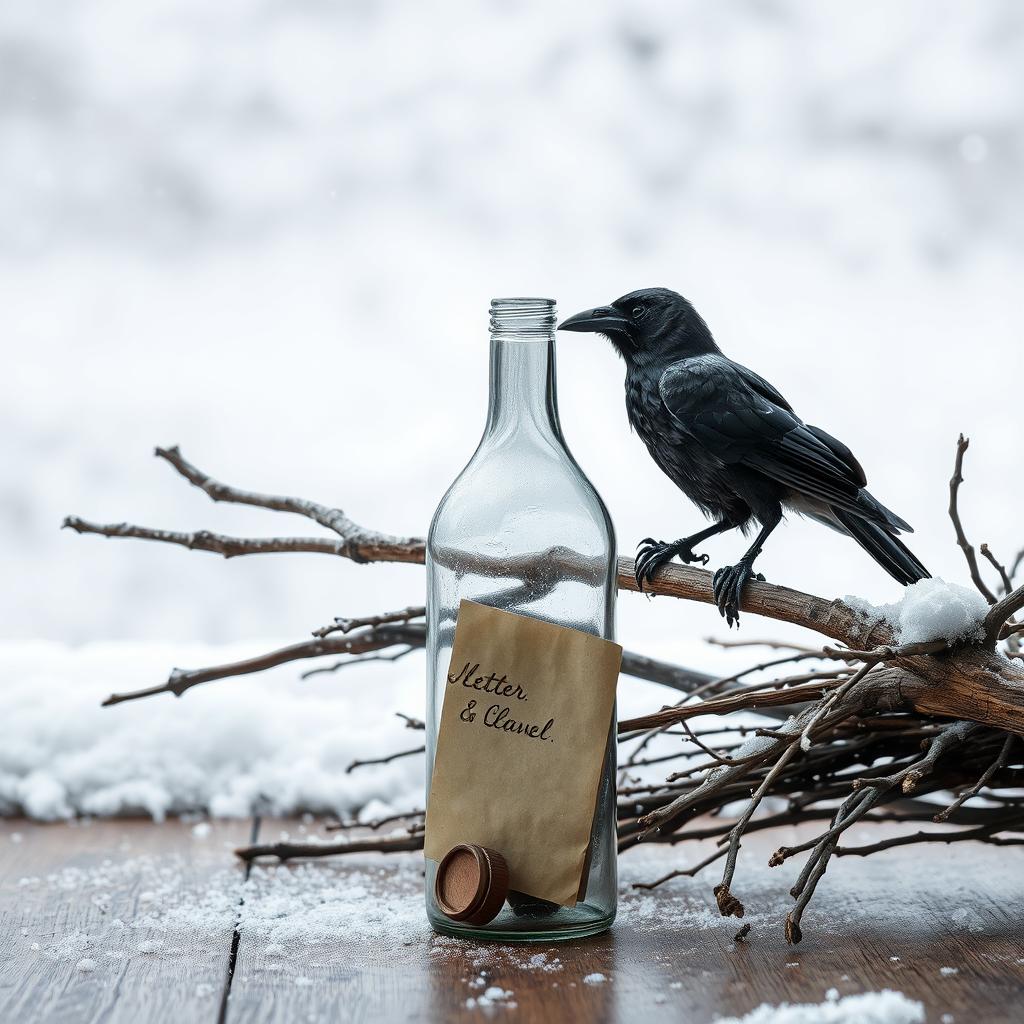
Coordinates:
column 733, row 445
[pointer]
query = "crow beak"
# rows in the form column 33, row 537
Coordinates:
column 600, row 320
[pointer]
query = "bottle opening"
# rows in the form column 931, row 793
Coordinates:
column 523, row 316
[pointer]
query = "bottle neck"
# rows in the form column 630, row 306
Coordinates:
column 523, row 400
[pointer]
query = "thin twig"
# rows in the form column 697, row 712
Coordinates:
column 954, row 514
column 774, row 645
column 984, row 833
column 181, row 680
column 999, row 568
column 682, row 872
column 290, row 851
column 886, row 652
column 339, row 826
column 357, row 660
column 974, row 790
column 343, row 625
column 384, row 760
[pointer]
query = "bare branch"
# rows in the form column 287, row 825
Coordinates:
column 1001, row 612
column 908, row 778
column 1015, row 565
column 384, row 760
column 974, row 790
column 728, row 904
column 954, row 514
column 743, row 701
column 360, row 646
column 181, row 680
column 342, row 625
column 360, row 659
column 984, row 833
column 204, row 540
column 339, row 826
column 289, row 851
column 682, row 872
column 886, row 652
column 362, row 545
column 357, row 543
column 774, row 645
column 1004, row 576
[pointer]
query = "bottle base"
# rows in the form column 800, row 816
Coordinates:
column 524, row 933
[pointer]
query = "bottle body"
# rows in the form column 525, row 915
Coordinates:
column 523, row 530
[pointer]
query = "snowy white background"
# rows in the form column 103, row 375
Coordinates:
column 269, row 233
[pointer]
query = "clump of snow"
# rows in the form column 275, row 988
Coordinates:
column 930, row 609
column 949, row 971
column 540, row 962
column 494, row 996
column 595, row 979
column 885, row 1007
column 86, row 965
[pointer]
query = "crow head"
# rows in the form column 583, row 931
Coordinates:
column 650, row 322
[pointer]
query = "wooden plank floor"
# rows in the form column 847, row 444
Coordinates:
column 345, row 939
column 98, row 921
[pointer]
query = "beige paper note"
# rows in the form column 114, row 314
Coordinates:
column 524, row 728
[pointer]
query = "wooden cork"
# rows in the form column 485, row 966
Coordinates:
column 471, row 883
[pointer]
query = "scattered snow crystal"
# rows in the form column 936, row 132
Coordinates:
column 885, row 1007
column 930, row 610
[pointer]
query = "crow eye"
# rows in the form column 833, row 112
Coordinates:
column 638, row 312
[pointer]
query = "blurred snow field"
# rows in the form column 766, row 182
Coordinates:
column 269, row 233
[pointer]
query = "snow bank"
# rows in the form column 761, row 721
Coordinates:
column 930, row 610
column 270, row 743
column 885, row 1007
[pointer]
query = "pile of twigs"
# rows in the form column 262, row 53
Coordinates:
column 864, row 732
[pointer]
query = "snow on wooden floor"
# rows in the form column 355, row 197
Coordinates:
column 126, row 920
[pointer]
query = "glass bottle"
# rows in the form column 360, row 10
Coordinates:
column 522, row 529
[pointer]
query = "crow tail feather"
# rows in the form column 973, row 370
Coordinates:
column 884, row 547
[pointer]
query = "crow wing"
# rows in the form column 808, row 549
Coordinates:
column 743, row 420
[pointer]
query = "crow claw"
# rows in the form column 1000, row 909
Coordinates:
column 653, row 554
column 727, row 586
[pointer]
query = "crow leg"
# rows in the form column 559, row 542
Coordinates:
column 729, row 581
column 653, row 554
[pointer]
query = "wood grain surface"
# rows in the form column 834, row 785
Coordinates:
column 77, row 895
column 889, row 921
